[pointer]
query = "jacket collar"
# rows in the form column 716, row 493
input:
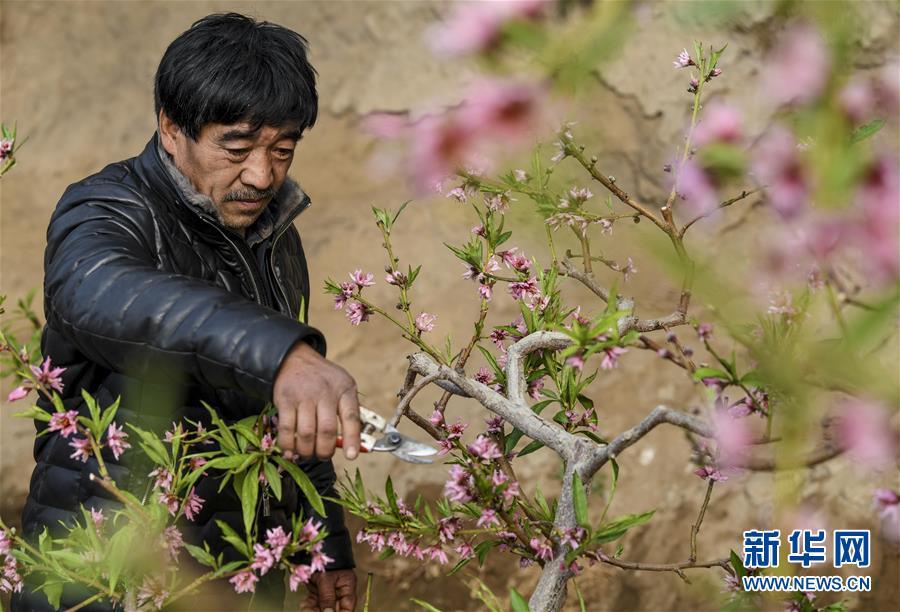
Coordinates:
column 289, row 202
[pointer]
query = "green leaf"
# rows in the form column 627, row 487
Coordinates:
column 109, row 414
column 202, row 556
column 530, row 448
column 738, row 565
column 425, row 605
column 612, row 489
column 517, row 602
column 482, row 549
column 391, row 496
column 249, row 497
column 617, row 528
column 231, row 536
column 867, row 130
column 542, row 502
column 274, row 479
column 53, row 591
column 702, row 373
column 305, row 484
column 36, row 413
column 461, row 564
column 229, row 567
column 580, row 500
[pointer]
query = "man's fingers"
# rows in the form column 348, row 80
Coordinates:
column 327, row 598
column 326, row 429
column 345, row 589
column 287, row 426
column 306, row 429
column 348, row 410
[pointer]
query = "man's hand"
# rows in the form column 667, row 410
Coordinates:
column 333, row 591
column 311, row 393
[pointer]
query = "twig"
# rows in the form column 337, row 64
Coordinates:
column 664, row 567
column 86, row 602
column 725, row 204
column 369, row 577
column 403, row 406
column 695, row 528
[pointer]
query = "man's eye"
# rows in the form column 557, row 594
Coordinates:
column 237, row 152
column 284, row 153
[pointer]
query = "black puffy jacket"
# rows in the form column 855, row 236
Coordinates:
column 149, row 298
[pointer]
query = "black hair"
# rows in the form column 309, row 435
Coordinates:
column 229, row 68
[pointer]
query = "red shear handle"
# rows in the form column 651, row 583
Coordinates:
column 339, row 443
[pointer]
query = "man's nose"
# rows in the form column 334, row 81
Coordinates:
column 257, row 171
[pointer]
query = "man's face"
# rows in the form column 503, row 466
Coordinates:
column 240, row 170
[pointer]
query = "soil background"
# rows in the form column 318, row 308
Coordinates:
column 77, row 77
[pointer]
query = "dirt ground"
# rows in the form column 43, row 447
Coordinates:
column 77, row 76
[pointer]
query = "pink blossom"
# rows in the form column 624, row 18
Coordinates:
column 425, row 321
column 520, row 175
column 48, row 376
column 170, row 501
column 277, row 539
column 876, row 233
column 172, row 542
column 541, row 549
column 475, row 28
column 684, row 60
column 534, row 388
column 439, row 146
column 357, row 313
column 573, row 537
column 797, row 70
column 456, row 430
column 472, row 272
column 319, row 559
column 192, row 505
column 485, row 291
column 115, row 439
column 458, row 487
column 6, row 147
column 857, row 100
column 696, row 185
column 488, row 518
column 163, row 478
column 576, row 361
column 263, row 559
column 447, row 528
column 693, row 85
column 887, row 502
column 362, row 279
column 395, row 278
column 267, row 442
column 484, row 448
column 17, row 394
column 864, row 432
column 498, row 202
column 97, row 517
column 310, row 531
column 5, row 542
column 437, row 554
column 152, row 589
column 705, row 330
column 484, row 375
column 465, row 550
column 64, row 422
column 498, row 336
column 520, row 290
column 437, row 418
column 82, row 448
column 720, row 123
column 711, row 472
column 494, row 425
column 459, row 194
column 732, row 437
column 299, row 575
column 611, row 357
column 499, row 478
column 511, row 492
column 780, row 170
column 244, row 582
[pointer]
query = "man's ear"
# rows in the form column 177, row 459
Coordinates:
column 169, row 133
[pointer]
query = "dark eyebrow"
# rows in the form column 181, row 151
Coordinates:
column 238, row 134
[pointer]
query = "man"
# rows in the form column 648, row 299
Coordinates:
column 177, row 277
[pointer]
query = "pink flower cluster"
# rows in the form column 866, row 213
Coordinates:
column 478, row 27
column 356, row 311
column 10, row 579
column 494, row 111
column 45, row 376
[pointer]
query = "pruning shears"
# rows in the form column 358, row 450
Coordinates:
column 377, row 435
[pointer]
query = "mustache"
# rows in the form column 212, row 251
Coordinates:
column 245, row 195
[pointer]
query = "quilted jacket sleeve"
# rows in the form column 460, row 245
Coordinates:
column 103, row 291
